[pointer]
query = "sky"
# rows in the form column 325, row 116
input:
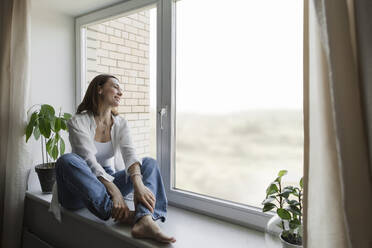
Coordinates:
column 234, row 57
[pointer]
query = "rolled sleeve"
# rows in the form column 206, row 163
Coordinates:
column 127, row 149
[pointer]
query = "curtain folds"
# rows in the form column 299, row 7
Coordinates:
column 339, row 188
column 14, row 83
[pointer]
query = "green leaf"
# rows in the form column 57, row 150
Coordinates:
column 57, row 125
column 29, row 130
column 294, row 210
column 269, row 199
column 293, row 224
column 282, row 173
column 268, row 207
column 67, row 116
column 55, row 152
column 36, row 133
column 33, row 118
column 62, row 146
column 271, row 189
column 302, row 183
column 283, row 214
column 293, row 202
column 44, row 128
column 47, row 110
column 63, row 124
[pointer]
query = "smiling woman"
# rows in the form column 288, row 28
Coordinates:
column 93, row 176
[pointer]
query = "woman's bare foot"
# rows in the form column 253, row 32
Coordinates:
column 130, row 219
column 147, row 228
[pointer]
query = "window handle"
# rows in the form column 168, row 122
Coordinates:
column 162, row 112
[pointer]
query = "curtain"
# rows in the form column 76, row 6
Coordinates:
column 338, row 195
column 14, row 83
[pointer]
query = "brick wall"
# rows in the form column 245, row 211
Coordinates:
column 121, row 47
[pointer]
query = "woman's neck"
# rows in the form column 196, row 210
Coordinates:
column 104, row 114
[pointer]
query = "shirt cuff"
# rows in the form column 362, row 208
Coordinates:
column 105, row 176
column 130, row 162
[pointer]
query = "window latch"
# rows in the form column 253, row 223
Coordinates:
column 163, row 113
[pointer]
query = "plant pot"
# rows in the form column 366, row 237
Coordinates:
column 47, row 176
column 285, row 244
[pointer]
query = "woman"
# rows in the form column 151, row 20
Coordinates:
column 100, row 140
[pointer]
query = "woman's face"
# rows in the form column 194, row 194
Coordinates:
column 111, row 92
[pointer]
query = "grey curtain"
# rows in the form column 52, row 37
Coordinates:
column 14, row 83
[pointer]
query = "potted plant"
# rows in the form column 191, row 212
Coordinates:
column 287, row 203
column 46, row 126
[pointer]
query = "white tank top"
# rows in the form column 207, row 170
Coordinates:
column 105, row 153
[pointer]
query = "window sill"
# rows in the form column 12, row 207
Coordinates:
column 189, row 228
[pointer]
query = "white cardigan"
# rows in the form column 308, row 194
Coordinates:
column 82, row 129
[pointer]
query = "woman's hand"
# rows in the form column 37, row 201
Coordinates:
column 120, row 210
column 143, row 195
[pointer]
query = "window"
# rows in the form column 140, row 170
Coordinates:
column 224, row 94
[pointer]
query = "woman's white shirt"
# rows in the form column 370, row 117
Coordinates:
column 82, row 128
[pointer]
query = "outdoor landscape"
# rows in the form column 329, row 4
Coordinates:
column 235, row 156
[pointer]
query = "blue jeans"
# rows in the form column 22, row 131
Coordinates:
column 78, row 187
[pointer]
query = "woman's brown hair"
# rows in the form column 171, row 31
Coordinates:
column 90, row 101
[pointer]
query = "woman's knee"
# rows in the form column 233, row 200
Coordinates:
column 149, row 163
column 68, row 159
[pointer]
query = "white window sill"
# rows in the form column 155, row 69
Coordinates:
column 189, row 228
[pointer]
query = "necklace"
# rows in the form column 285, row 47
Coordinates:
column 103, row 125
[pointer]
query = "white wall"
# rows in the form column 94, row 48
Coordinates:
column 52, row 62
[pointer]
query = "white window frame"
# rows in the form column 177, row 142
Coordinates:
column 244, row 215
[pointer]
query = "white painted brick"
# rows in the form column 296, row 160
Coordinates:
column 138, row 67
column 141, row 151
column 132, row 80
column 108, row 46
column 114, row 55
column 109, row 62
column 147, row 95
column 144, row 102
column 92, row 43
column 138, row 137
column 138, row 52
column 144, row 129
column 125, row 20
column 130, row 87
column 91, row 53
column 138, row 24
column 147, row 40
column 134, row 130
column 102, row 52
column 140, row 39
column 118, row 71
column 124, row 64
column 98, row 27
column 131, row 58
column 131, row 116
column 91, row 65
column 117, row 33
column 127, row 94
column 147, row 27
column 109, row 30
column 134, row 16
column 143, row 19
column 130, row 123
column 147, row 81
column 147, row 123
column 139, row 95
column 143, row 33
column 144, row 116
column 124, row 49
column 131, row 73
column 139, row 123
column 91, row 75
column 124, row 79
column 146, row 54
column 102, row 69
column 132, row 37
column 116, row 40
column 143, row 47
column 131, row 44
column 143, row 88
column 143, row 74
column 147, row 108
column 131, row 102
column 138, row 109
column 91, row 34
column 147, row 136
column 140, row 81
column 125, row 35
column 117, row 25
column 131, row 29
column 125, row 109
column 143, row 61
column 102, row 37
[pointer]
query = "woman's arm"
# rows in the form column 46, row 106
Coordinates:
column 141, row 193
